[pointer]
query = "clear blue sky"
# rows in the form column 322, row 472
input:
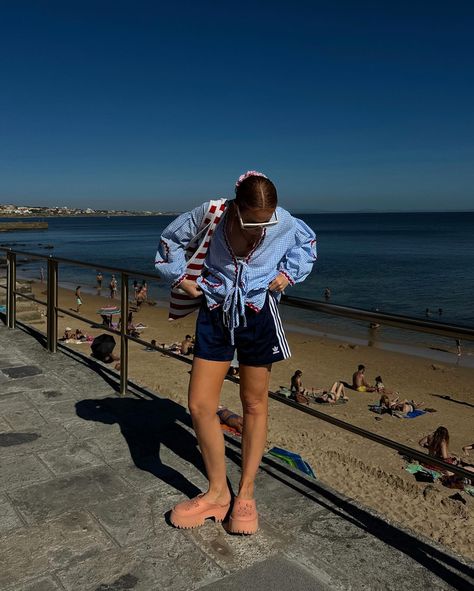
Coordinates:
column 345, row 105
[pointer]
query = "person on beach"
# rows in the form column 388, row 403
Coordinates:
column 187, row 346
column 140, row 298
column 327, row 294
column 256, row 251
column 458, row 347
column 437, row 444
column 113, row 287
column 403, row 406
column 78, row 298
column 298, row 391
column 231, row 419
column 358, row 381
column 467, row 448
column 332, row 396
column 99, row 277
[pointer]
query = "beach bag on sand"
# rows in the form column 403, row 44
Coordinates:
column 182, row 304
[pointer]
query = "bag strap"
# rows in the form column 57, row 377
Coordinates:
column 203, row 227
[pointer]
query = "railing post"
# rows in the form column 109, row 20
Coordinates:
column 52, row 305
column 123, row 333
column 11, row 288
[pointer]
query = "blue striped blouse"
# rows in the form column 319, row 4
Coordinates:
column 289, row 247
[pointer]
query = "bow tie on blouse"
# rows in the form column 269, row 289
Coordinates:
column 234, row 304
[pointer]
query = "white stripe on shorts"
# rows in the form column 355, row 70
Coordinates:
column 279, row 328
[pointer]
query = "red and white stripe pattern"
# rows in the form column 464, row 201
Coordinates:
column 182, row 304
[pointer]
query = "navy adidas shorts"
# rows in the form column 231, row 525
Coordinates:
column 261, row 342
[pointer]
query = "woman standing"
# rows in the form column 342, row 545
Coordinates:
column 78, row 298
column 257, row 250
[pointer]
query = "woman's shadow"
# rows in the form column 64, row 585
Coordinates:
column 145, row 425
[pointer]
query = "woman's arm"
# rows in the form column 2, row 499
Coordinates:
column 299, row 259
column 466, row 449
column 424, row 441
column 170, row 260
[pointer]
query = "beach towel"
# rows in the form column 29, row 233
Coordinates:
column 414, row 468
column 182, row 304
column 231, row 430
column 380, row 410
column 293, row 460
column 283, row 391
column 414, row 413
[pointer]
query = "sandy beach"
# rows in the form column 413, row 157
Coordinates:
column 363, row 470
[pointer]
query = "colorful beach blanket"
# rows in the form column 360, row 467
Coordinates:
column 414, row 413
column 414, row 468
column 293, row 460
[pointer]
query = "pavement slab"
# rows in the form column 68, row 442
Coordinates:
column 27, row 441
column 32, row 470
column 276, row 573
column 171, row 562
column 21, row 371
column 9, row 519
column 54, row 544
column 72, row 457
column 42, row 584
column 74, row 491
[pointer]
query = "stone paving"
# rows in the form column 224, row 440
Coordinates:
column 87, row 479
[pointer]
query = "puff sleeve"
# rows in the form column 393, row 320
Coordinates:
column 299, row 259
column 170, row 260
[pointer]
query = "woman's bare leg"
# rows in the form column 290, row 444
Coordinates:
column 205, row 386
column 254, row 383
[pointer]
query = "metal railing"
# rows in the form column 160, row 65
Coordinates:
column 52, row 307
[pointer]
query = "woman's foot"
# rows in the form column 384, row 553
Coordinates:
column 193, row 512
column 244, row 517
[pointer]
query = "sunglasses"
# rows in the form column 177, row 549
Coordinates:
column 249, row 225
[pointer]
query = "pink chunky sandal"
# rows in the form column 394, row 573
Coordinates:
column 244, row 517
column 193, row 512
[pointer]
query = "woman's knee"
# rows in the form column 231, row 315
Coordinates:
column 201, row 409
column 255, row 406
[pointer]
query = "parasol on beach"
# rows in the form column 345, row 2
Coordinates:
column 102, row 346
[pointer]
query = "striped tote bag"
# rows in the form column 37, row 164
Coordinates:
column 182, row 304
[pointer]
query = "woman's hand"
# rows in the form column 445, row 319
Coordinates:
column 191, row 288
column 279, row 283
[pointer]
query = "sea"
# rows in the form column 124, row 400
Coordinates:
column 416, row 264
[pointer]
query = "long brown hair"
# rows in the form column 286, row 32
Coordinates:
column 256, row 192
column 441, row 434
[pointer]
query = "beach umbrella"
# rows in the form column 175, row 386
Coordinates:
column 293, row 460
column 102, row 346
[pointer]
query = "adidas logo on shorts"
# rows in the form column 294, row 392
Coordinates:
column 275, row 350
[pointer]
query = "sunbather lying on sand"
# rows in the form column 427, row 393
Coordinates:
column 335, row 394
column 403, row 406
column 231, row 419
